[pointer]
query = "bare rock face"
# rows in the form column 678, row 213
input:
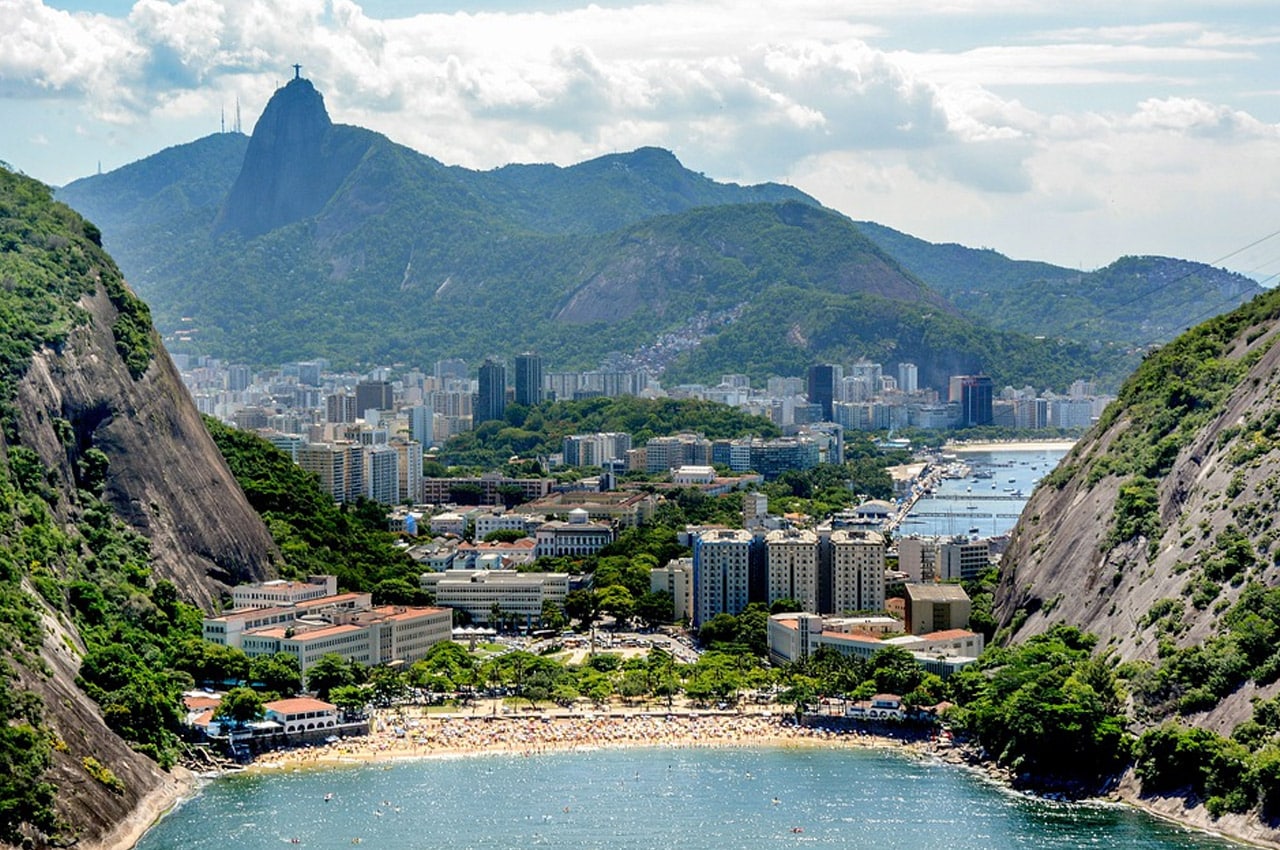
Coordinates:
column 291, row 168
column 165, row 476
column 1061, row 566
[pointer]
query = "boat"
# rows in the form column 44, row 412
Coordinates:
column 973, row 530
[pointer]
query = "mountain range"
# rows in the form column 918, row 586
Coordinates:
column 250, row 249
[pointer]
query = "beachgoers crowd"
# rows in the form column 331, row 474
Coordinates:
column 458, row 734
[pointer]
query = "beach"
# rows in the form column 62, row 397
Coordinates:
column 427, row 735
column 1010, row 446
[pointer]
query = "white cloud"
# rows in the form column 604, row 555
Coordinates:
column 1035, row 118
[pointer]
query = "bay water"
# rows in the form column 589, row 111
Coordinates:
column 649, row 799
column 988, row 505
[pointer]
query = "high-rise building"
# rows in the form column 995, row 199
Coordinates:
column 373, row 395
column 422, row 424
column 382, row 473
column 908, row 377
column 340, row 407
column 824, row 378
column 721, row 573
column 792, row 559
column 491, row 399
column 976, row 396
column 857, row 573
column 528, row 379
column 238, row 378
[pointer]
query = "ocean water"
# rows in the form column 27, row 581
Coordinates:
column 989, row 505
column 649, row 799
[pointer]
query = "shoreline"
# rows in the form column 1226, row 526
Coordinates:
column 175, row 788
column 456, row 736
column 1046, row 445
column 449, row 736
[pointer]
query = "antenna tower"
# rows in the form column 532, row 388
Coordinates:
column 238, row 130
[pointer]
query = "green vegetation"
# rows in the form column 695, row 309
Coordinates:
column 1135, row 301
column 787, row 327
column 542, row 429
column 577, row 263
column 1047, row 707
column 315, row 535
column 1233, row 774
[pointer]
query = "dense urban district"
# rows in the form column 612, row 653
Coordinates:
column 700, row 547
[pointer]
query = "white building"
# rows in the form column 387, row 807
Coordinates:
column 579, row 536
column 521, row 595
column 721, row 573
column 792, row 559
column 676, row 578
column 857, row 572
column 793, row 636
column 269, row 594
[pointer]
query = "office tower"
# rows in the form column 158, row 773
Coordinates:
column 491, row 400
column 823, row 380
column 976, row 395
column 908, row 377
column 373, row 395
column 528, row 379
column 309, row 373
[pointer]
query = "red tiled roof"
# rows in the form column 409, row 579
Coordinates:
column 298, row 705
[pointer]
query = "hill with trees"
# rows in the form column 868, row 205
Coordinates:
column 1133, row 302
column 596, row 261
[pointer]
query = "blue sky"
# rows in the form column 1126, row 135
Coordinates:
column 1073, row 131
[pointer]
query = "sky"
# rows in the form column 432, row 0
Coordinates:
column 1070, row 131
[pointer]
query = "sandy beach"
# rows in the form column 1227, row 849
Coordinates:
column 1010, row 446
column 528, row 734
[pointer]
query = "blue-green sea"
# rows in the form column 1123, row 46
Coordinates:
column 649, row 799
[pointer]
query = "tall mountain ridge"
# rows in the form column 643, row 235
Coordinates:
column 116, row 508
column 425, row 260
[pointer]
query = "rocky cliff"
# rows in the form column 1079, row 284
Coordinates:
column 1157, row 532
column 294, row 163
column 116, row 509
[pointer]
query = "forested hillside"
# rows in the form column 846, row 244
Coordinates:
column 598, row 260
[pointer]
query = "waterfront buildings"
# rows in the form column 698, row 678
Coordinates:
column 287, row 617
column 676, row 578
column 793, row 636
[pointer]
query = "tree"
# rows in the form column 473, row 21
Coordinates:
column 330, row 671
column 552, row 616
column 655, row 607
column 619, row 602
column 386, row 685
column 582, row 605
column 278, row 674
column 350, row 699
column 240, row 705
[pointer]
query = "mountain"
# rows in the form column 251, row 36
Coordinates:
column 1157, row 533
column 119, row 523
column 423, row 260
column 1133, row 302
